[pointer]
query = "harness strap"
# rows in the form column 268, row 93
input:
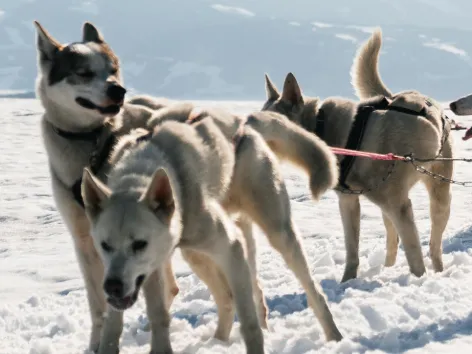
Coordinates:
column 354, row 142
column 357, row 131
column 97, row 160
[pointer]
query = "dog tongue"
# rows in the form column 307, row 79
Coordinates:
column 468, row 134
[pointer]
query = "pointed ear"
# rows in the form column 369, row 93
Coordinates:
column 46, row 45
column 292, row 92
column 159, row 196
column 271, row 90
column 91, row 34
column 94, row 193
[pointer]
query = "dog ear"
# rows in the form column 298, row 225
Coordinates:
column 291, row 92
column 46, row 45
column 94, row 193
column 271, row 90
column 159, row 196
column 90, row 33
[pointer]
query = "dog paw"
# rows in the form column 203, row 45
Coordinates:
column 97, row 351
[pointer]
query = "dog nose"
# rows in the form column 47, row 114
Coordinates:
column 453, row 106
column 114, row 287
column 116, row 92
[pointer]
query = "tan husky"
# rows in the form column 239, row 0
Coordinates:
column 407, row 123
column 81, row 89
column 175, row 191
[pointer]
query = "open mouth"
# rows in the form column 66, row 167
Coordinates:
column 111, row 109
column 123, row 303
column 126, row 302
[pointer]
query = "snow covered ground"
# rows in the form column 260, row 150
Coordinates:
column 43, row 309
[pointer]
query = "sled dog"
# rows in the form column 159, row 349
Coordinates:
column 402, row 123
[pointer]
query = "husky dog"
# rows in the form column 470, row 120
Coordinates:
column 81, row 90
column 194, row 172
column 407, row 122
column 463, row 107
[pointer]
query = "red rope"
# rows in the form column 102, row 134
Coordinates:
column 369, row 155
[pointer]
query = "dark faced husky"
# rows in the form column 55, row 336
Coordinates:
column 80, row 87
column 463, row 107
column 404, row 123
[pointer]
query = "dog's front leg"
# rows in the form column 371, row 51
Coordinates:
column 156, row 307
column 89, row 261
column 112, row 328
column 92, row 271
column 350, row 209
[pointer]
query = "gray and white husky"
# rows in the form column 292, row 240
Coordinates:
column 81, row 90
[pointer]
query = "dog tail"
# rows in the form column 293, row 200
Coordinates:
column 365, row 76
column 295, row 144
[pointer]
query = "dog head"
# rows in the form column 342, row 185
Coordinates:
column 290, row 103
column 132, row 234
column 462, row 106
column 82, row 77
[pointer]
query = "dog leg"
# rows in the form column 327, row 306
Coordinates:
column 156, row 307
column 350, row 210
column 245, row 226
column 216, row 282
column 224, row 244
column 170, row 284
column 262, row 194
column 401, row 215
column 440, row 208
column 111, row 333
column 92, row 271
column 283, row 237
column 392, row 241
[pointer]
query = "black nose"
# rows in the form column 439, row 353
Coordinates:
column 113, row 287
column 453, row 106
column 116, row 92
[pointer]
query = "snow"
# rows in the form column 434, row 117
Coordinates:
column 43, row 309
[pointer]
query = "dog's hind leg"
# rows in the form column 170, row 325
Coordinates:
column 400, row 212
column 211, row 275
column 245, row 224
column 350, row 210
column 440, row 208
column 224, row 244
column 172, row 289
column 392, row 241
column 263, row 196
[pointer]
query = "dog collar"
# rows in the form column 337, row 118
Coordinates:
column 84, row 136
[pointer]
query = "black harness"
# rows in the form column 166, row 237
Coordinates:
column 357, row 131
column 97, row 158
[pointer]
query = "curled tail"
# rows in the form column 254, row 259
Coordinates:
column 365, row 76
column 300, row 147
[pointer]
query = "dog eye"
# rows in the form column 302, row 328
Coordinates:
column 138, row 246
column 106, row 247
column 113, row 71
column 85, row 74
